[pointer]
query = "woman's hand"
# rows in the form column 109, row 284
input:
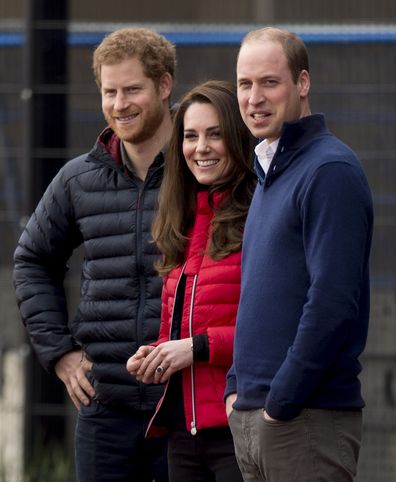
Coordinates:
column 164, row 360
column 136, row 360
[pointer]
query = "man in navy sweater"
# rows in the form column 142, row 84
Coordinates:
column 293, row 395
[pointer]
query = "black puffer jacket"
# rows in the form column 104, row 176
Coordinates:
column 92, row 201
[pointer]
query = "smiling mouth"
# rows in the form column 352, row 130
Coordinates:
column 127, row 118
column 261, row 116
column 207, row 163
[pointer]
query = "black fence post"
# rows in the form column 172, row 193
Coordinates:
column 44, row 151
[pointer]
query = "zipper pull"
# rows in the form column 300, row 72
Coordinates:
column 193, row 430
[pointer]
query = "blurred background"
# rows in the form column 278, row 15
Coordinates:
column 50, row 112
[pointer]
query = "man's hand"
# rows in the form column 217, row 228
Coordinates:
column 229, row 402
column 269, row 418
column 72, row 369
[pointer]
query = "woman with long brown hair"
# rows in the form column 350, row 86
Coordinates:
column 204, row 199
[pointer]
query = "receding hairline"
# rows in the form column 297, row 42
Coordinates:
column 263, row 35
column 292, row 45
column 269, row 34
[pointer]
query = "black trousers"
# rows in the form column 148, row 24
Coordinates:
column 110, row 447
column 208, row 456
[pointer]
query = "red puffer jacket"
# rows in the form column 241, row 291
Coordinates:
column 210, row 303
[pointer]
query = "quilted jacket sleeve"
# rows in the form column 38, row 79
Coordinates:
column 40, row 266
column 221, row 344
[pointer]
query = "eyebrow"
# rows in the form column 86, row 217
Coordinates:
column 134, row 85
column 211, row 128
column 260, row 79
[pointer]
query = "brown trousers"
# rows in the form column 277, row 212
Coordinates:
column 318, row 445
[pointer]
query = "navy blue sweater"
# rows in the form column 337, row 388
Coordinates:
column 303, row 315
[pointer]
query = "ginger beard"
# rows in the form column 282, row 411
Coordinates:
column 140, row 124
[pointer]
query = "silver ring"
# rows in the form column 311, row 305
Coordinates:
column 159, row 369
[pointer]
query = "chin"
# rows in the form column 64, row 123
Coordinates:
column 257, row 132
column 206, row 181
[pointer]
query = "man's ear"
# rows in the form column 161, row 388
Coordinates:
column 304, row 83
column 165, row 85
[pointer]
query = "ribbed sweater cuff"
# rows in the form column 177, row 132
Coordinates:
column 200, row 347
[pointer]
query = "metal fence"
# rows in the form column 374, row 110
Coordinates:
column 353, row 70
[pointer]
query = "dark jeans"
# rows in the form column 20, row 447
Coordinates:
column 110, row 447
column 208, row 456
column 318, row 445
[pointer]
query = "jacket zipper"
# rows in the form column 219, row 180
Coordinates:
column 161, row 401
column 142, row 190
column 139, row 255
column 193, row 423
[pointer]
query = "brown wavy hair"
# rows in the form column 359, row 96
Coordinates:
column 155, row 52
column 178, row 194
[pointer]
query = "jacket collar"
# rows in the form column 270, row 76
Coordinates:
column 111, row 146
column 294, row 136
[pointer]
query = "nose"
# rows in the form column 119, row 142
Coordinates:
column 256, row 95
column 120, row 102
column 202, row 144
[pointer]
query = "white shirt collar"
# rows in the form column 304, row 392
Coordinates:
column 265, row 152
